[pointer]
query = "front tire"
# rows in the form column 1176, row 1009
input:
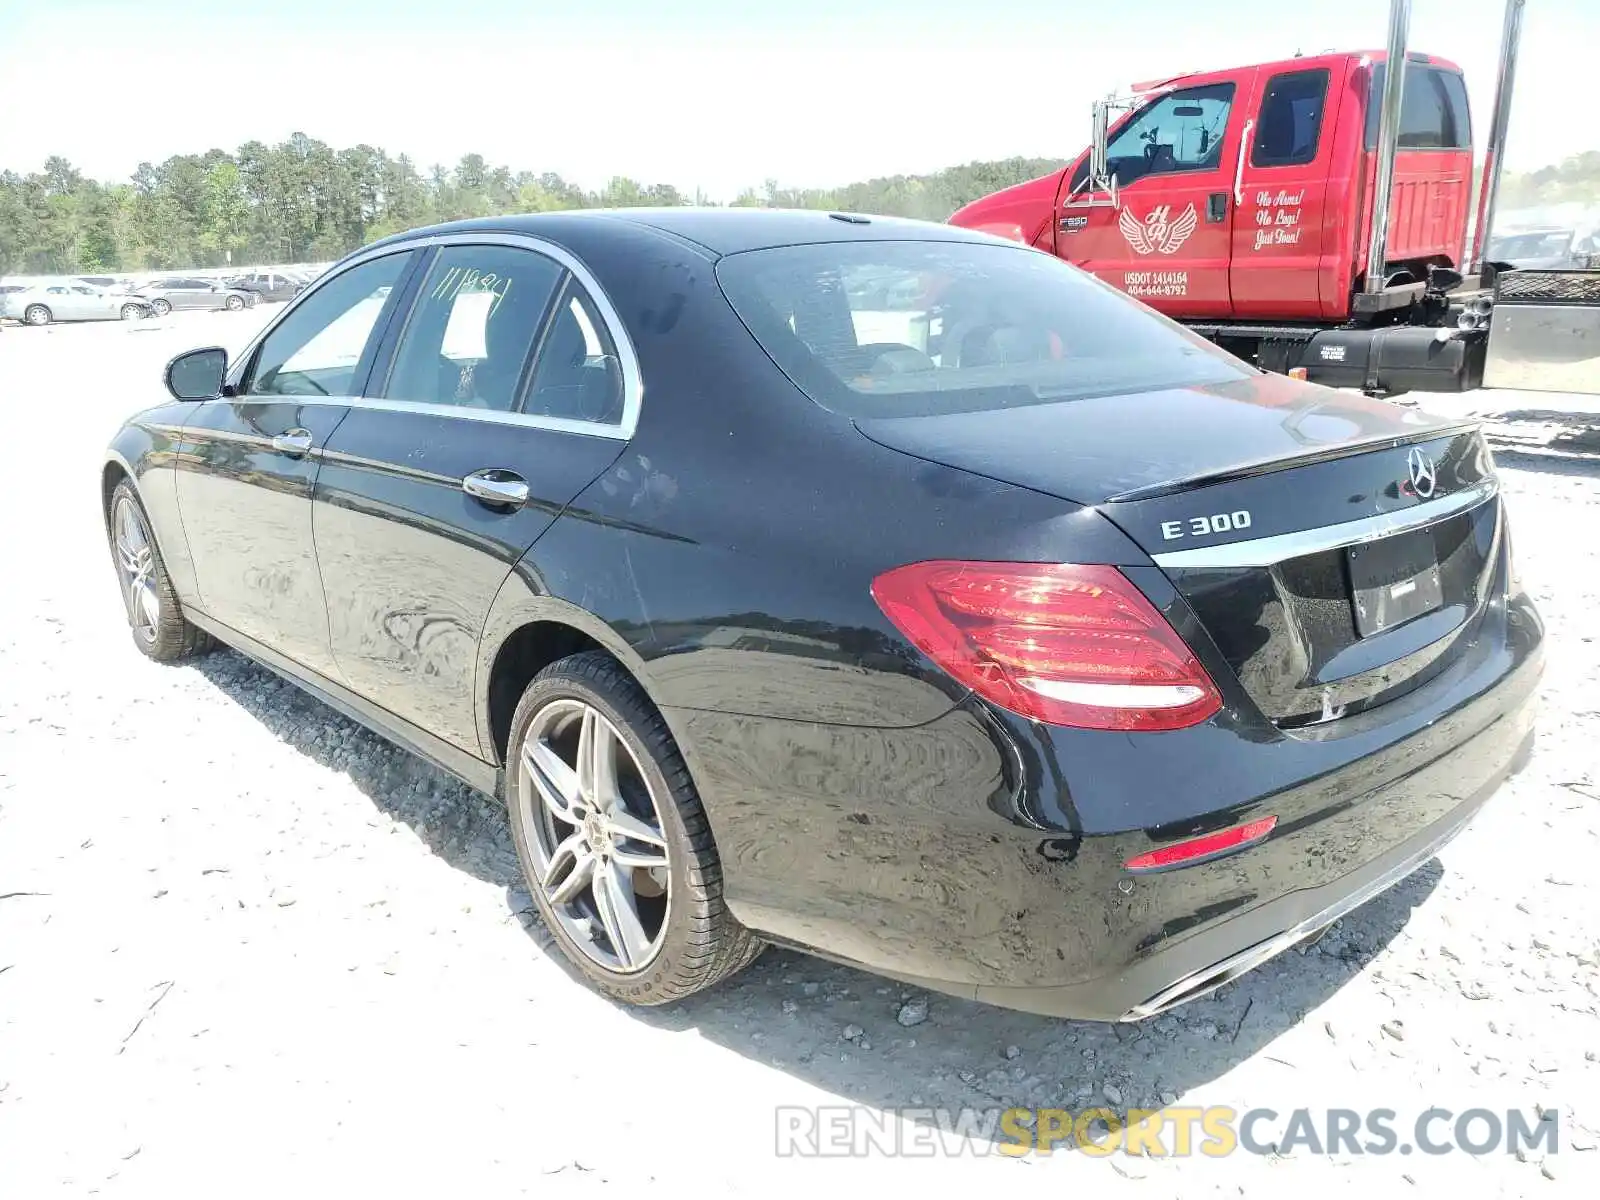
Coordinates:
column 233, row 303
column 613, row 840
column 131, row 312
column 37, row 314
column 161, row 307
column 155, row 617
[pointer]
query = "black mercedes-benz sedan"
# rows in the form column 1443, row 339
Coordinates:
column 857, row 585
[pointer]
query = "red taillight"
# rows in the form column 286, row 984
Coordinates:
column 1064, row 644
column 1181, row 853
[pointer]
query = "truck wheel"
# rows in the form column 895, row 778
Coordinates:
column 613, row 840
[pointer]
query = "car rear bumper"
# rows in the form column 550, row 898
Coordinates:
column 1193, row 966
column 983, row 856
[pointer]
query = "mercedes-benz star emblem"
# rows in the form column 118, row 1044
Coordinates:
column 1424, row 475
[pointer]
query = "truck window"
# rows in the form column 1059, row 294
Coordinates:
column 1181, row 131
column 1291, row 119
column 1433, row 110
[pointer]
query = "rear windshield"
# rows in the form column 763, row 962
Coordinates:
column 886, row 329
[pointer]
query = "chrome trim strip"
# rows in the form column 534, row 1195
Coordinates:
column 357, row 462
column 628, row 359
column 1265, row 551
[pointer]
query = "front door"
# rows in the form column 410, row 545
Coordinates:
column 1278, row 235
column 248, row 462
column 501, row 400
column 1169, row 239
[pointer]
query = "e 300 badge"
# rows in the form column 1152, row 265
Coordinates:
column 1200, row 526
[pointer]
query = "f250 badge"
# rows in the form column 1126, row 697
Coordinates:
column 1158, row 233
column 1200, row 526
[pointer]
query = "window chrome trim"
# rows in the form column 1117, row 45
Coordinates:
column 1265, row 551
column 627, row 358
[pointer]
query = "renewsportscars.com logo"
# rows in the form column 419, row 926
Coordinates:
column 1216, row 1131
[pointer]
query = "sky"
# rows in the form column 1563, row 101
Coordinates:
column 709, row 94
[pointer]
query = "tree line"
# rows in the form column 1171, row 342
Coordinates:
column 304, row 201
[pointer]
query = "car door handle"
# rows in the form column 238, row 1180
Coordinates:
column 496, row 487
column 296, row 442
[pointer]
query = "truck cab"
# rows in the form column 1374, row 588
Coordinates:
column 1245, row 195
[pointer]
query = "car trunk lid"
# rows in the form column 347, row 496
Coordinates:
column 1336, row 549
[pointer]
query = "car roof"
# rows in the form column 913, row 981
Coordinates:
column 717, row 230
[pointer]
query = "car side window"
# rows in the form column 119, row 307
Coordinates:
column 1291, row 119
column 473, row 327
column 318, row 347
column 577, row 376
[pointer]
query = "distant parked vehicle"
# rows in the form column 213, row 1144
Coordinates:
column 110, row 283
column 43, row 303
column 270, row 285
column 166, row 295
column 1555, row 247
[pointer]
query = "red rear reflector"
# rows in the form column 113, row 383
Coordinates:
column 1299, row 373
column 1211, row 844
column 1063, row 644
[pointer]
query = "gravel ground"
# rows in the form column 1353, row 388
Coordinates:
column 247, row 948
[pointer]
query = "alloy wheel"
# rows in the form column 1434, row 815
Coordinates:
column 136, row 561
column 37, row 314
column 599, row 852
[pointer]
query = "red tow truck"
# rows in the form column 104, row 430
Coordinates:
column 1252, row 203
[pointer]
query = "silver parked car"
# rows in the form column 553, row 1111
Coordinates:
column 42, row 303
column 166, row 295
column 275, row 286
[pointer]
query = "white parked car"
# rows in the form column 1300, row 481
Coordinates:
column 69, row 300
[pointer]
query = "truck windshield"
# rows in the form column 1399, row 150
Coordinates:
column 883, row 329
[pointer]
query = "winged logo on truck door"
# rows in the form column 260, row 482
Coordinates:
column 1158, row 234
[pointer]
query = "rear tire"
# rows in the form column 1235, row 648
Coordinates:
column 155, row 617
column 684, row 939
column 37, row 314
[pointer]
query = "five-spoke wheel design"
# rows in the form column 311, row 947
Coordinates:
column 136, row 561
column 598, row 849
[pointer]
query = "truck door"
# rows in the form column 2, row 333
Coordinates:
column 1169, row 240
column 1282, row 215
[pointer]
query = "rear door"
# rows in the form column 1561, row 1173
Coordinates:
column 1170, row 239
column 247, row 462
column 1282, row 215
column 509, row 389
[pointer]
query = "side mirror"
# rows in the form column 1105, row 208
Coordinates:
column 198, row 374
